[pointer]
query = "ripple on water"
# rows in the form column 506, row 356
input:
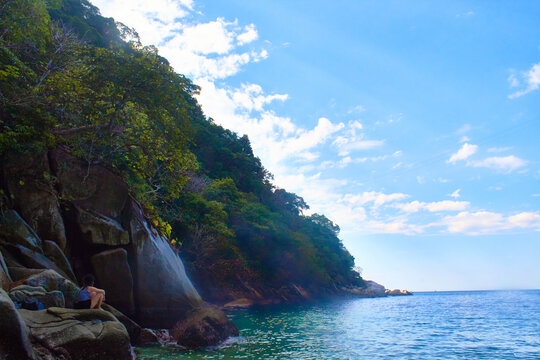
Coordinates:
column 443, row 325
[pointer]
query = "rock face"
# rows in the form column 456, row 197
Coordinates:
column 14, row 340
column 26, row 294
column 80, row 334
column 377, row 289
column 204, row 327
column 398, row 292
column 112, row 272
column 164, row 293
column 32, row 259
column 17, row 231
column 55, row 253
column 71, row 219
column 50, row 280
column 30, row 182
column 5, row 278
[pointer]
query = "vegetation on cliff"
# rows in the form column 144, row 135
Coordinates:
column 68, row 78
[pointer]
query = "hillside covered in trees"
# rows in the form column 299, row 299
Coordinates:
column 69, row 79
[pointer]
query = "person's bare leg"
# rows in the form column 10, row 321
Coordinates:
column 96, row 300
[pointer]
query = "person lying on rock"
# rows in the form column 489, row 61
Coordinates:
column 89, row 296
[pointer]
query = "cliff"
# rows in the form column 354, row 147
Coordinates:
column 64, row 219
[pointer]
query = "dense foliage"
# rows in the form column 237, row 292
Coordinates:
column 68, row 78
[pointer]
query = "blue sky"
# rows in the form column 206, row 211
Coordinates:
column 412, row 125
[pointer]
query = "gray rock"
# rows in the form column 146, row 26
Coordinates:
column 375, row 288
column 26, row 294
column 30, row 183
column 163, row 292
column 203, row 327
column 21, row 273
column 31, row 259
column 79, row 334
column 50, row 280
column 55, row 253
column 5, row 277
column 134, row 330
column 14, row 340
column 100, row 229
column 15, row 230
column 119, row 287
column 93, row 187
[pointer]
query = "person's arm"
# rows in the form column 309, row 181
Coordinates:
column 96, row 290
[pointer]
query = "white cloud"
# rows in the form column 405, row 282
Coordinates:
column 356, row 109
column 466, row 14
column 455, row 194
column 377, row 198
column 250, row 34
column 464, row 139
column 531, row 78
column 505, row 164
column 437, row 206
column 485, row 222
column 465, row 152
column 498, row 150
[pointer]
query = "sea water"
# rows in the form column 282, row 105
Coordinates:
column 432, row 325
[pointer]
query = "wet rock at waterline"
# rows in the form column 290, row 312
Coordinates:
column 202, row 327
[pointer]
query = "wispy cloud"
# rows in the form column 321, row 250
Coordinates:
column 505, row 164
column 463, row 153
column 437, row 206
column 530, row 80
column 485, row 222
column 455, row 194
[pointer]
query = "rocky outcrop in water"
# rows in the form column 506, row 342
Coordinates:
column 65, row 218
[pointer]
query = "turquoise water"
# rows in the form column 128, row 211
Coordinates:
column 438, row 325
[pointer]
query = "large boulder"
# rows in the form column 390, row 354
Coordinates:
column 5, row 277
column 31, row 185
column 55, row 253
column 77, row 334
column 203, row 327
column 113, row 274
column 50, row 280
column 163, row 292
column 32, row 259
column 25, row 295
column 375, row 288
column 100, row 229
column 15, row 230
column 89, row 186
column 134, row 330
column 14, row 341
column 18, row 274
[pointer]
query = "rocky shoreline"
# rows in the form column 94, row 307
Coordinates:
column 64, row 219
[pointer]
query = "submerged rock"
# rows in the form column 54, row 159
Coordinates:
column 239, row 303
column 14, row 340
column 79, row 334
column 203, row 327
